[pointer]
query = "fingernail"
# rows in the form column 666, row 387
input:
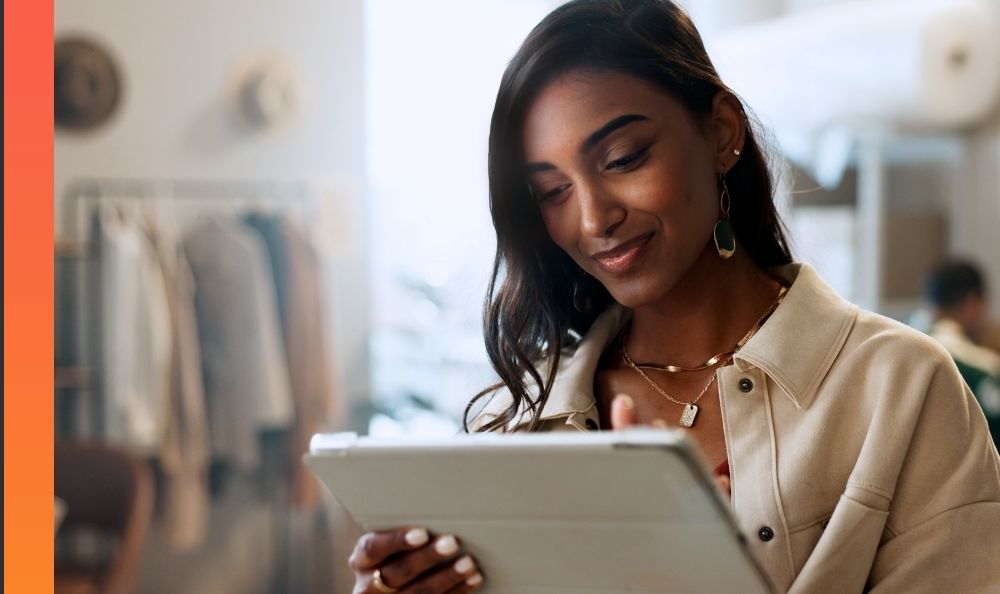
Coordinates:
column 465, row 565
column 474, row 580
column 660, row 424
column 417, row 537
column 446, row 545
column 626, row 401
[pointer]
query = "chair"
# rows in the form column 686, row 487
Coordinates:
column 109, row 492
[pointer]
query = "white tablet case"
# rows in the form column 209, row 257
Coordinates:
column 608, row 512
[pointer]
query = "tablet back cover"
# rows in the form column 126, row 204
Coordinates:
column 554, row 514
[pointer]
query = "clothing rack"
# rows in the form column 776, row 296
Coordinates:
column 75, row 250
column 78, row 353
column 188, row 188
column 81, row 195
column 78, row 359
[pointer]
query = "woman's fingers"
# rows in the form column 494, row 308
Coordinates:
column 404, row 569
column 471, row 584
column 410, row 561
column 446, row 578
column 373, row 548
column 622, row 412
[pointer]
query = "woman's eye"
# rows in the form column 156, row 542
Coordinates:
column 553, row 194
column 627, row 160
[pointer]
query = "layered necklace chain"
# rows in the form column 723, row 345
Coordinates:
column 690, row 411
column 690, row 408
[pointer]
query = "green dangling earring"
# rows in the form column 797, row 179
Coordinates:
column 725, row 240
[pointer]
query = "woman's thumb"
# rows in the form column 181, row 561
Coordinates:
column 622, row 412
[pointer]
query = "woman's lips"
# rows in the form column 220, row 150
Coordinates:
column 621, row 258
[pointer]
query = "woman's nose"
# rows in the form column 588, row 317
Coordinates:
column 600, row 213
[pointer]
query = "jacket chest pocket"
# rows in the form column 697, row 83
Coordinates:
column 841, row 558
column 804, row 538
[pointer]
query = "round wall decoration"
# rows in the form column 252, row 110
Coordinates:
column 87, row 84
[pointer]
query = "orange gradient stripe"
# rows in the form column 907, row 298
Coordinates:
column 28, row 296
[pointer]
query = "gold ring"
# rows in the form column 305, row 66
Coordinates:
column 380, row 585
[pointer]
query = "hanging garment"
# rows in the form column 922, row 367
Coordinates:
column 334, row 234
column 297, row 276
column 136, row 337
column 184, row 452
column 245, row 369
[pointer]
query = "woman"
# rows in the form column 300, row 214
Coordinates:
column 642, row 277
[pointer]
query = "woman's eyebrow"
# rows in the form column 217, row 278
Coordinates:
column 591, row 141
column 537, row 168
column 608, row 128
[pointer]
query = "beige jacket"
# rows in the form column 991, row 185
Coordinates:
column 859, row 459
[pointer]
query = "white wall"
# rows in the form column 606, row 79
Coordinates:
column 975, row 208
column 714, row 16
column 180, row 62
column 975, row 205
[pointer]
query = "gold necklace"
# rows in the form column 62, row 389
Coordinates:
column 690, row 408
column 690, row 411
column 716, row 359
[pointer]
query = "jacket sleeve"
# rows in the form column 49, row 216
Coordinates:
column 943, row 529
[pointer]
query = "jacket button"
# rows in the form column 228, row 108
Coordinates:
column 765, row 534
column 592, row 425
column 746, row 385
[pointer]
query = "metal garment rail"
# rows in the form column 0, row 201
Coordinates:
column 82, row 200
column 81, row 195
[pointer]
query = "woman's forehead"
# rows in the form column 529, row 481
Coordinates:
column 574, row 105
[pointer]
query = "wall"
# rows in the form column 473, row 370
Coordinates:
column 714, row 16
column 975, row 205
column 180, row 62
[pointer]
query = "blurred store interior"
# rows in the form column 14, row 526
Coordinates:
column 272, row 221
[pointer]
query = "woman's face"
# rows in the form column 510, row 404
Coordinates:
column 626, row 180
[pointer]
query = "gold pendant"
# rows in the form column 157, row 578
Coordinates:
column 687, row 417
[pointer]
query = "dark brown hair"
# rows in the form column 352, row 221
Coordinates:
column 529, row 315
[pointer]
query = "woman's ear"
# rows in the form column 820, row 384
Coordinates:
column 728, row 128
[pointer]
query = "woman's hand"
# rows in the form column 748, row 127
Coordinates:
column 410, row 561
column 623, row 416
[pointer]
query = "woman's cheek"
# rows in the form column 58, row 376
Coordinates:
column 556, row 222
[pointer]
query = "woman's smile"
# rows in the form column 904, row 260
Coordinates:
column 624, row 257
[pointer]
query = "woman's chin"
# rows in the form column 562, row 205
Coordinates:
column 635, row 296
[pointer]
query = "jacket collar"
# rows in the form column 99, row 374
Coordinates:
column 819, row 320
column 811, row 311
column 573, row 388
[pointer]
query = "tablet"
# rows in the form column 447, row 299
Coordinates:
column 555, row 513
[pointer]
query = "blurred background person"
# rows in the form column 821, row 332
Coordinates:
column 956, row 296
